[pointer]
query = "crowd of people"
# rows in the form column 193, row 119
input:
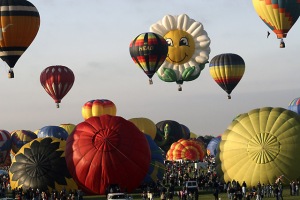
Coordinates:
column 178, row 173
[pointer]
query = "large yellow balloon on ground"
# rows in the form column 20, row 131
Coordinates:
column 145, row 125
column 260, row 146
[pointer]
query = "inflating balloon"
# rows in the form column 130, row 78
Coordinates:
column 279, row 15
column 185, row 150
column 107, row 150
column 294, row 105
column 98, row 107
column 19, row 24
column 157, row 168
column 68, row 127
column 148, row 51
column 188, row 48
column 260, row 146
column 21, row 137
column 227, row 70
column 53, row 131
column 57, row 81
column 145, row 125
column 168, row 131
column 41, row 164
column 212, row 147
column 5, row 148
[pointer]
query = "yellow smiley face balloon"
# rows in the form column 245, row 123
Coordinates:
column 188, row 50
column 181, row 46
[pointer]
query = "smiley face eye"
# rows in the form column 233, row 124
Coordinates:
column 183, row 42
column 170, row 42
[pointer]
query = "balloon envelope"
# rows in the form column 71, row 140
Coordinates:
column 57, row 81
column 68, row 127
column 295, row 105
column 278, row 15
column 53, row 131
column 107, row 150
column 212, row 147
column 98, row 107
column 185, row 150
column 168, row 131
column 41, row 164
column 145, row 125
column 20, row 138
column 148, row 50
column 5, row 148
column 260, row 146
column 157, row 168
column 227, row 70
column 20, row 22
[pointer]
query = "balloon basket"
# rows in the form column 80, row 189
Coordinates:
column 179, row 88
column 150, row 81
column 229, row 97
column 57, row 105
column 11, row 74
column 282, row 44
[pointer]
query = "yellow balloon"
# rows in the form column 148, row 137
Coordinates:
column 260, row 146
column 145, row 125
column 68, row 127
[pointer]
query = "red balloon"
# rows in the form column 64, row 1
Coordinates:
column 57, row 81
column 107, row 150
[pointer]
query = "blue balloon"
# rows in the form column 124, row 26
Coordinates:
column 157, row 168
column 295, row 105
column 53, row 131
column 213, row 145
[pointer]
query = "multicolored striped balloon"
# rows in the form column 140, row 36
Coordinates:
column 278, row 15
column 227, row 70
column 149, row 51
column 295, row 105
column 186, row 150
column 19, row 24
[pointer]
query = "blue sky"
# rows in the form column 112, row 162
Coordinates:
column 92, row 38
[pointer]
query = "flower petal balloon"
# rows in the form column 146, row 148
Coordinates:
column 188, row 48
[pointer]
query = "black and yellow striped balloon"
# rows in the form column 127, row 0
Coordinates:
column 19, row 25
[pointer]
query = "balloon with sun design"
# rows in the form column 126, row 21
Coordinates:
column 41, row 164
column 188, row 48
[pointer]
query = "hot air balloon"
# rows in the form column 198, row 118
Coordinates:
column 145, row 125
column 57, row 81
column 186, row 131
column 21, row 137
column 41, row 164
column 53, row 131
column 294, row 105
column 185, row 150
column 168, row 131
column 148, row 51
column 5, row 147
column 110, row 148
column 157, row 167
column 212, row 147
column 68, row 127
column 227, row 70
column 98, row 107
column 260, row 146
column 279, row 15
column 188, row 48
column 19, row 24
